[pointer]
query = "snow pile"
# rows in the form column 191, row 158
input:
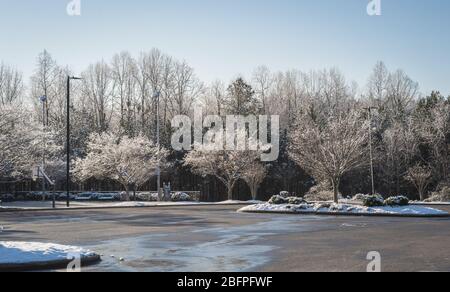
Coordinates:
column 33, row 252
column 327, row 208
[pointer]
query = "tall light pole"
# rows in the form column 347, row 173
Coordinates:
column 156, row 95
column 43, row 99
column 69, row 78
column 372, row 176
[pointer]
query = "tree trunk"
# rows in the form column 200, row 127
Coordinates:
column 422, row 194
column 230, row 191
column 254, row 191
column 336, row 183
column 127, row 193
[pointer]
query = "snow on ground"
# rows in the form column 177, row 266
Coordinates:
column 430, row 203
column 319, row 208
column 61, row 205
column 33, row 252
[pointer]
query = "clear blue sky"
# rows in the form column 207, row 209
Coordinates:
column 224, row 38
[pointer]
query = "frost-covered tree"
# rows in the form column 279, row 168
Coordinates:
column 329, row 150
column 23, row 145
column 129, row 161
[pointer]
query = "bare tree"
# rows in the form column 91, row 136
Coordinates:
column 401, row 92
column 435, row 131
column 262, row 79
column 330, row 150
column 11, row 85
column 98, row 88
column 399, row 146
column 213, row 98
column 378, row 85
column 122, row 71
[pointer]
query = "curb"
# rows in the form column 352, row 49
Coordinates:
column 49, row 265
column 349, row 214
column 9, row 210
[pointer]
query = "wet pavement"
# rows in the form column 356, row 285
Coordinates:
column 217, row 238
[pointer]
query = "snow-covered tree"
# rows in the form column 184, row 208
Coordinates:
column 420, row 177
column 129, row 161
column 330, row 150
column 227, row 166
column 254, row 175
column 23, row 144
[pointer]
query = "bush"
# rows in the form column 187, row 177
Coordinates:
column 147, row 197
column 320, row 193
column 373, row 201
column 442, row 195
column 321, row 196
column 181, row 197
column 285, row 194
column 278, row 200
column 359, row 197
column 295, row 201
column 397, row 201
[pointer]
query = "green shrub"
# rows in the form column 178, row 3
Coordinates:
column 278, row 200
column 295, row 201
column 373, row 201
column 181, row 197
column 396, row 201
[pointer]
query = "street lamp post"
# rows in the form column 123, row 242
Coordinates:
column 372, row 176
column 156, row 95
column 69, row 78
column 44, row 124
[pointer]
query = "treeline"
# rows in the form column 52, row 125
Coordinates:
column 410, row 132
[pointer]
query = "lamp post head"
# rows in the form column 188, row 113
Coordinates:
column 43, row 98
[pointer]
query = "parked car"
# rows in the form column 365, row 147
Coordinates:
column 63, row 196
column 86, row 197
column 108, row 197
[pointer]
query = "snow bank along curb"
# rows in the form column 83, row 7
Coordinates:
column 124, row 206
column 29, row 256
column 347, row 210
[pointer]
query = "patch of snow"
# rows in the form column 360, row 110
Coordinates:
column 46, row 205
column 319, row 208
column 34, row 252
column 239, row 202
column 430, row 203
